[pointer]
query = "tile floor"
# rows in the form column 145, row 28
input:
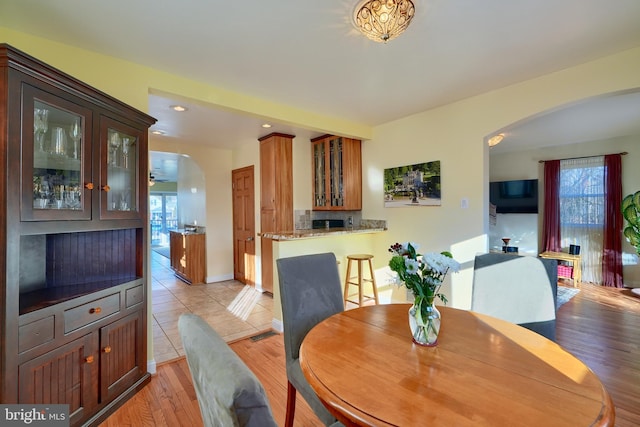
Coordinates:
column 234, row 310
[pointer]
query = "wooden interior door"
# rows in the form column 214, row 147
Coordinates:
column 244, row 229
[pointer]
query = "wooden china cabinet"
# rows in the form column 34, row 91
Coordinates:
column 337, row 173
column 73, row 223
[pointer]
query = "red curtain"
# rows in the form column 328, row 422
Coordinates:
column 551, row 219
column 612, row 244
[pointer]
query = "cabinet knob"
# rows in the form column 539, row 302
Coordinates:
column 89, row 186
column 107, row 349
column 89, row 359
column 96, row 310
column 106, row 188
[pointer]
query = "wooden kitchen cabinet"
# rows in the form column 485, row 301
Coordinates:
column 188, row 256
column 337, row 173
column 74, row 226
column 276, row 196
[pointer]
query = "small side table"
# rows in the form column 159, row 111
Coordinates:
column 575, row 260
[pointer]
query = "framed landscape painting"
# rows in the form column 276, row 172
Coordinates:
column 412, row 185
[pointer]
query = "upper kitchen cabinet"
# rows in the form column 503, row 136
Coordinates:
column 276, row 182
column 337, row 173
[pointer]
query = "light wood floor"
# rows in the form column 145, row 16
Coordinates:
column 600, row 326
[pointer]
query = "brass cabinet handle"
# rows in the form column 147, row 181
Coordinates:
column 96, row 310
column 106, row 188
column 107, row 349
column 89, row 359
column 89, row 186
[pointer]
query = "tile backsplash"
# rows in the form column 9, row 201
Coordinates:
column 303, row 218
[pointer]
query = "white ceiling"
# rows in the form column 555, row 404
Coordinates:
column 307, row 54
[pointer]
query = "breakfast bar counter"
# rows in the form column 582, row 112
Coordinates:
column 321, row 232
column 339, row 241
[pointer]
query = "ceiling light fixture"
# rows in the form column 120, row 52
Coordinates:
column 179, row 108
column 266, row 125
column 495, row 140
column 383, row 20
column 158, row 132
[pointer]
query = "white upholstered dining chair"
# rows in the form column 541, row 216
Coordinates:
column 519, row 289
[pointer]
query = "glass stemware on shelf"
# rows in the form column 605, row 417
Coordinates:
column 126, row 144
column 42, row 192
column 114, row 145
column 40, row 125
column 75, row 133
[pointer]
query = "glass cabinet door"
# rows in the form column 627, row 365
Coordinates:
column 335, row 173
column 319, row 174
column 56, row 175
column 119, row 165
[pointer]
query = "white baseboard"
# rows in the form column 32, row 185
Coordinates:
column 277, row 325
column 151, row 366
column 220, row 278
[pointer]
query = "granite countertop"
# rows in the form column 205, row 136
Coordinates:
column 321, row 232
column 183, row 231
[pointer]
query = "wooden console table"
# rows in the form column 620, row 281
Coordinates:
column 575, row 260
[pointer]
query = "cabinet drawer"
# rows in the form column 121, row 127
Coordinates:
column 36, row 333
column 90, row 312
column 134, row 296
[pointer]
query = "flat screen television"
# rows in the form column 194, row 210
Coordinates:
column 517, row 196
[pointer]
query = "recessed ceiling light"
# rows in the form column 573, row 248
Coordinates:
column 158, row 132
column 178, row 108
column 496, row 139
column 266, row 125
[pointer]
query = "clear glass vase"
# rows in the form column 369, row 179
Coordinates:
column 424, row 321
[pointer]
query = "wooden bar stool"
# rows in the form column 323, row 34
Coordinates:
column 359, row 280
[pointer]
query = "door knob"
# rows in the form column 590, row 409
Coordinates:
column 250, row 239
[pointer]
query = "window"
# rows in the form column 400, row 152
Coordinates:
column 582, row 210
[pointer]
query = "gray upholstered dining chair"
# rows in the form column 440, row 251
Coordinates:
column 518, row 289
column 229, row 394
column 310, row 291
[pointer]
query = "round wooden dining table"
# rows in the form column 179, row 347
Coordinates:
column 365, row 368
